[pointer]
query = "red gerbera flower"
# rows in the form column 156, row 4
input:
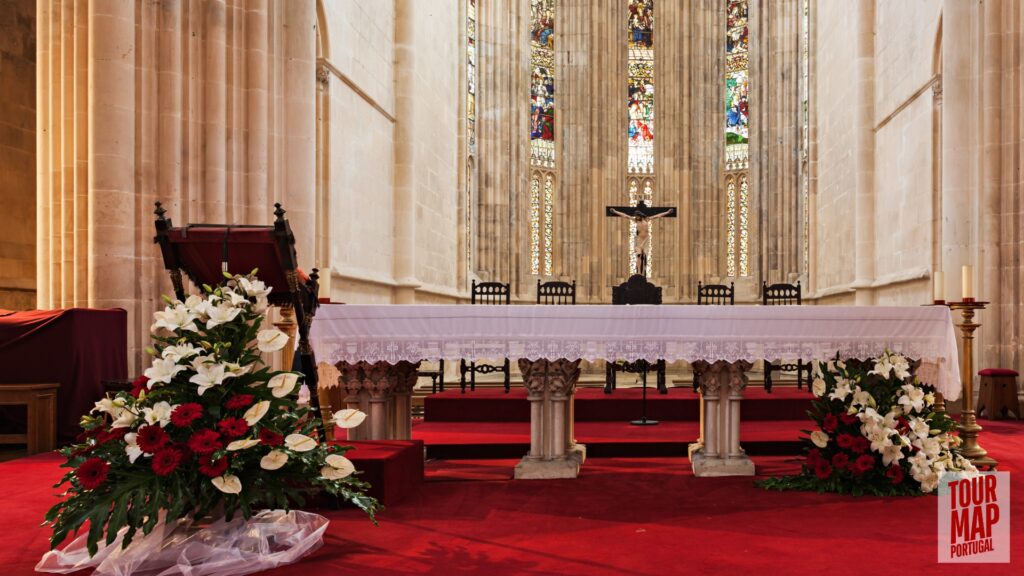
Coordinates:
column 848, row 419
column 213, row 468
column 844, row 441
column 166, row 461
column 270, row 438
column 205, row 442
column 92, row 473
column 860, row 445
column 151, row 439
column 840, row 460
column 829, row 423
column 139, row 385
column 232, row 427
column 185, row 414
column 894, row 473
column 863, row 464
column 107, row 435
column 822, row 470
column 239, row 401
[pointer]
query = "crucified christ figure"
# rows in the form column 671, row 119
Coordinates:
column 642, row 215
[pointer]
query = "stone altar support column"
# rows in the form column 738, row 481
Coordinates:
column 550, row 385
column 722, row 385
column 382, row 391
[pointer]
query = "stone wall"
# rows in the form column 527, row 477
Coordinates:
column 18, row 155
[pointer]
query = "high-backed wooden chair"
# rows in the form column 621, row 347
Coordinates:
column 555, row 292
column 636, row 290
column 784, row 295
column 495, row 294
column 716, row 294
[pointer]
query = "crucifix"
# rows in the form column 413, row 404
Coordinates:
column 642, row 215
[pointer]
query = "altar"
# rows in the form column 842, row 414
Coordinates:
column 376, row 349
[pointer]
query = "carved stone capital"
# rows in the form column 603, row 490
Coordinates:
column 558, row 376
column 405, row 375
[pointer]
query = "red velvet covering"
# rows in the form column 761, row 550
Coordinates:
column 997, row 372
column 201, row 251
column 77, row 348
column 394, row 468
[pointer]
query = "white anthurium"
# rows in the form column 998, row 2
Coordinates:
column 816, row 371
column 274, row 460
column 818, row 387
column 892, row 454
column 349, row 418
column 179, row 352
column 299, row 442
column 282, row 384
column 131, row 447
column 819, row 438
column 338, row 467
column 256, row 412
column 159, row 413
column 243, row 444
column 207, row 376
column 222, row 314
column 124, row 419
column 253, row 287
column 841, row 391
column 174, row 318
column 912, row 399
column 271, row 340
column 162, row 371
column 228, row 484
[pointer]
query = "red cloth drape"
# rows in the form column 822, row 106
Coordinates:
column 78, row 348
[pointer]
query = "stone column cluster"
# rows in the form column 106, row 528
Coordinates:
column 550, row 386
column 721, row 385
column 383, row 391
column 206, row 105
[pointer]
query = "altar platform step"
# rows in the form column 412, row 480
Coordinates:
column 593, row 405
column 488, row 440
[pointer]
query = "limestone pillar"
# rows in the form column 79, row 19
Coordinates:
column 550, row 386
column 299, row 112
column 864, row 154
column 405, row 153
column 722, row 385
column 383, row 391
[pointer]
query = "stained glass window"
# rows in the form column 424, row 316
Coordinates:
column 471, row 75
column 641, row 86
column 535, row 223
column 736, row 74
column 730, row 226
column 805, row 93
column 737, row 139
column 542, row 83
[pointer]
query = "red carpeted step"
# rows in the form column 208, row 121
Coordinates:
column 394, row 468
column 465, row 440
column 593, row 405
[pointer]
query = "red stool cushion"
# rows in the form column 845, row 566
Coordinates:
column 997, row 372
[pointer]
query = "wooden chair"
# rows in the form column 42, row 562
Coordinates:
column 557, row 293
column 494, row 294
column 997, row 393
column 784, row 295
column 40, row 402
column 636, row 290
column 716, row 294
column 436, row 377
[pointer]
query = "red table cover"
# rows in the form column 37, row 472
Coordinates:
column 77, row 348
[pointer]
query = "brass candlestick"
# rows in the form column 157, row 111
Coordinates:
column 969, row 429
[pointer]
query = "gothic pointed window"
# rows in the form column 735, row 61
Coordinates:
column 640, row 116
column 737, row 139
column 471, row 78
column 542, row 135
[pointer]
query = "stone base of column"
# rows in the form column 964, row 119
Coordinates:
column 693, row 448
column 704, row 467
column 567, row 467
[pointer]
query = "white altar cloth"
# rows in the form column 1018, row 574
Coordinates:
column 393, row 333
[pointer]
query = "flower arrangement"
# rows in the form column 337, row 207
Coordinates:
column 878, row 432
column 207, row 427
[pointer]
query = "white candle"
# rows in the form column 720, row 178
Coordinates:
column 968, row 282
column 325, row 285
column 939, row 289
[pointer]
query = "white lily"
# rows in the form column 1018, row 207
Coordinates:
column 132, row 447
column 228, row 484
column 222, row 314
column 256, row 412
column 242, row 444
column 819, row 438
column 841, row 391
column 253, row 287
column 913, row 399
column 919, row 427
column 207, row 376
column 178, row 352
column 106, row 406
column 282, row 384
column 124, row 419
column 299, row 442
column 271, row 340
column 160, row 413
column 349, row 418
column 274, row 460
column 162, row 371
column 174, row 318
column 891, row 454
column 235, row 298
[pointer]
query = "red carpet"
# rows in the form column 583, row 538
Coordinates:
column 622, row 516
